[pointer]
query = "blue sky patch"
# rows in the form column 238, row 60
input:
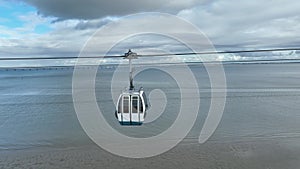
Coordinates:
column 10, row 12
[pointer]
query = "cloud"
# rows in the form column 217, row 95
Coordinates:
column 248, row 24
column 25, row 41
column 230, row 25
column 95, row 9
column 94, row 24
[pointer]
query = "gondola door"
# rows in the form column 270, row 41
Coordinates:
column 135, row 118
column 126, row 113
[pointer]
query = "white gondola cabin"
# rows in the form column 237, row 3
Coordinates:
column 131, row 107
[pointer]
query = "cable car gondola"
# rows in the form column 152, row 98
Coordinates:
column 132, row 104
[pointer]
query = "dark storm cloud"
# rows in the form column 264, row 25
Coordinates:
column 92, row 9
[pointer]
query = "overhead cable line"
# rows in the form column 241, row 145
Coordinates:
column 153, row 55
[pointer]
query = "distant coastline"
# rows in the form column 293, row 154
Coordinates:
column 114, row 65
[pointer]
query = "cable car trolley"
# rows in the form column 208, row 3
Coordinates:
column 132, row 104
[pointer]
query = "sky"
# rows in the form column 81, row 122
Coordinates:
column 32, row 28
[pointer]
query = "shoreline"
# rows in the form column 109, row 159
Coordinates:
column 114, row 65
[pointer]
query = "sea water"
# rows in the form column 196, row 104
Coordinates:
column 37, row 110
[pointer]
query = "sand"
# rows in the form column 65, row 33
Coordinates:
column 264, row 154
